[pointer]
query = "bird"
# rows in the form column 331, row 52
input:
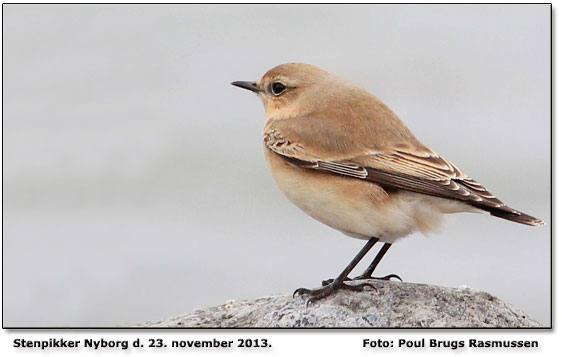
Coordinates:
column 343, row 157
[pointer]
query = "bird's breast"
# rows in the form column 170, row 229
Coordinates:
column 347, row 205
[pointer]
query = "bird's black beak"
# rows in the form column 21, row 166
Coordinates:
column 247, row 85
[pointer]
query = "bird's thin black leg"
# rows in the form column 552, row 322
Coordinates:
column 338, row 283
column 367, row 274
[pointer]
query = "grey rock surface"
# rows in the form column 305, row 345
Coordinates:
column 392, row 304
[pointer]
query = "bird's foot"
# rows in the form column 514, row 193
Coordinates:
column 386, row 277
column 365, row 277
column 328, row 289
column 329, row 281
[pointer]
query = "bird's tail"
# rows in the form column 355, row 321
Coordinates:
column 515, row 216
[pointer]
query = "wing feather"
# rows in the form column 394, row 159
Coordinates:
column 416, row 169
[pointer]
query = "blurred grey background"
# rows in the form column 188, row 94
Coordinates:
column 135, row 186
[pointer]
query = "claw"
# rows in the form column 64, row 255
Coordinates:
column 387, row 277
column 390, row 276
column 301, row 291
column 329, row 288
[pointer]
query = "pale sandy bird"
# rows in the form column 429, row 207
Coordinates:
column 343, row 157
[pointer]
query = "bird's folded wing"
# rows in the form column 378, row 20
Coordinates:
column 428, row 173
column 415, row 169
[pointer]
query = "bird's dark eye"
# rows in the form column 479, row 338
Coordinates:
column 277, row 88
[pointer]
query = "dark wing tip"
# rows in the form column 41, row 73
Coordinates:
column 496, row 207
column 519, row 218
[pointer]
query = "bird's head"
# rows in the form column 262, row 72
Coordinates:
column 289, row 89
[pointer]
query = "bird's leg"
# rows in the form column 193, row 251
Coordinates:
column 338, row 283
column 367, row 274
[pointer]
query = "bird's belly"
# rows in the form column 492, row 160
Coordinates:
column 358, row 208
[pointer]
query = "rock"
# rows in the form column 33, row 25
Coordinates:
column 392, row 304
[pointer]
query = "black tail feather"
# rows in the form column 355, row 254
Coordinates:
column 518, row 217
